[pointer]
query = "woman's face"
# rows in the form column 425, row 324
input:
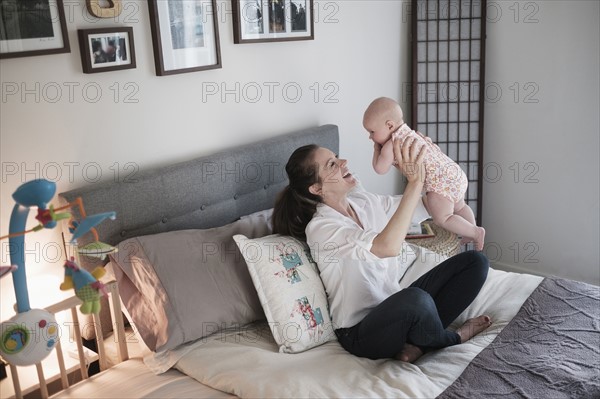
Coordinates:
column 334, row 175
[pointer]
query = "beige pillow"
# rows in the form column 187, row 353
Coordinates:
column 183, row 285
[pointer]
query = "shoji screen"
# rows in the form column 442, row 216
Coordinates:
column 448, row 82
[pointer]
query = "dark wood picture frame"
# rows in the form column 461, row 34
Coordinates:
column 181, row 53
column 251, row 26
column 100, row 53
column 55, row 20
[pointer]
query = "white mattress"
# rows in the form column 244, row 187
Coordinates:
column 133, row 379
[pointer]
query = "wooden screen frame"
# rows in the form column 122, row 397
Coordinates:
column 439, row 16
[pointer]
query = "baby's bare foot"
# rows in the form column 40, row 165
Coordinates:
column 410, row 353
column 465, row 240
column 479, row 239
column 473, row 327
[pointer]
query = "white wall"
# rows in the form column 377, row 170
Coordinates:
column 360, row 48
column 545, row 219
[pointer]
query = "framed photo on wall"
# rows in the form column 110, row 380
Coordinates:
column 257, row 21
column 185, row 36
column 29, row 28
column 106, row 49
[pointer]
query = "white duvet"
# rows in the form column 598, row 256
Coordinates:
column 247, row 362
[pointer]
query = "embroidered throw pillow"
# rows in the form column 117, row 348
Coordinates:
column 290, row 290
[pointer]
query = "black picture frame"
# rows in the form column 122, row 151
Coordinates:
column 185, row 36
column 258, row 21
column 32, row 28
column 106, row 49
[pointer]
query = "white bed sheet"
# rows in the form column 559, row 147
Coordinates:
column 133, row 379
column 135, row 347
column 247, row 362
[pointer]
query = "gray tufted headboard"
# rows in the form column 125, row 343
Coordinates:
column 206, row 192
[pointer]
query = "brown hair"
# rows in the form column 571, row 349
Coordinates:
column 296, row 205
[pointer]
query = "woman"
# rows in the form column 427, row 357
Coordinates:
column 355, row 238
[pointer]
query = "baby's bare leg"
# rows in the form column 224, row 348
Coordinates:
column 462, row 209
column 442, row 211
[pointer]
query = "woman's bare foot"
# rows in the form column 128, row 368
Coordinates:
column 473, row 327
column 409, row 353
column 479, row 239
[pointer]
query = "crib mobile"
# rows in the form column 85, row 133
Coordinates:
column 31, row 335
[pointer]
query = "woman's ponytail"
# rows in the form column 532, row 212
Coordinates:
column 295, row 205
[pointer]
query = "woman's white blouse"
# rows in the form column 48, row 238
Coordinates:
column 355, row 279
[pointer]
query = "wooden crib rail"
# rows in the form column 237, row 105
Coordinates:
column 71, row 304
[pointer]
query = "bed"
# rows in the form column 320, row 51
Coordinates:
column 201, row 312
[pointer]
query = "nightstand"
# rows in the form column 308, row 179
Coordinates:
column 444, row 243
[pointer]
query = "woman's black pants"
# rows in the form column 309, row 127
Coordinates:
column 419, row 314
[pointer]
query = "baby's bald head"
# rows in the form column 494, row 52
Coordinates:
column 382, row 118
column 384, row 109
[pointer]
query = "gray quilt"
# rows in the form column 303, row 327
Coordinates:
column 551, row 349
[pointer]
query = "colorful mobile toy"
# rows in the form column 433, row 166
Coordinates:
column 30, row 335
column 86, row 285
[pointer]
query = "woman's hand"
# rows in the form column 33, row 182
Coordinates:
column 409, row 159
column 388, row 243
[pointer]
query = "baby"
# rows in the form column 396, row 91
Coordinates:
column 445, row 182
